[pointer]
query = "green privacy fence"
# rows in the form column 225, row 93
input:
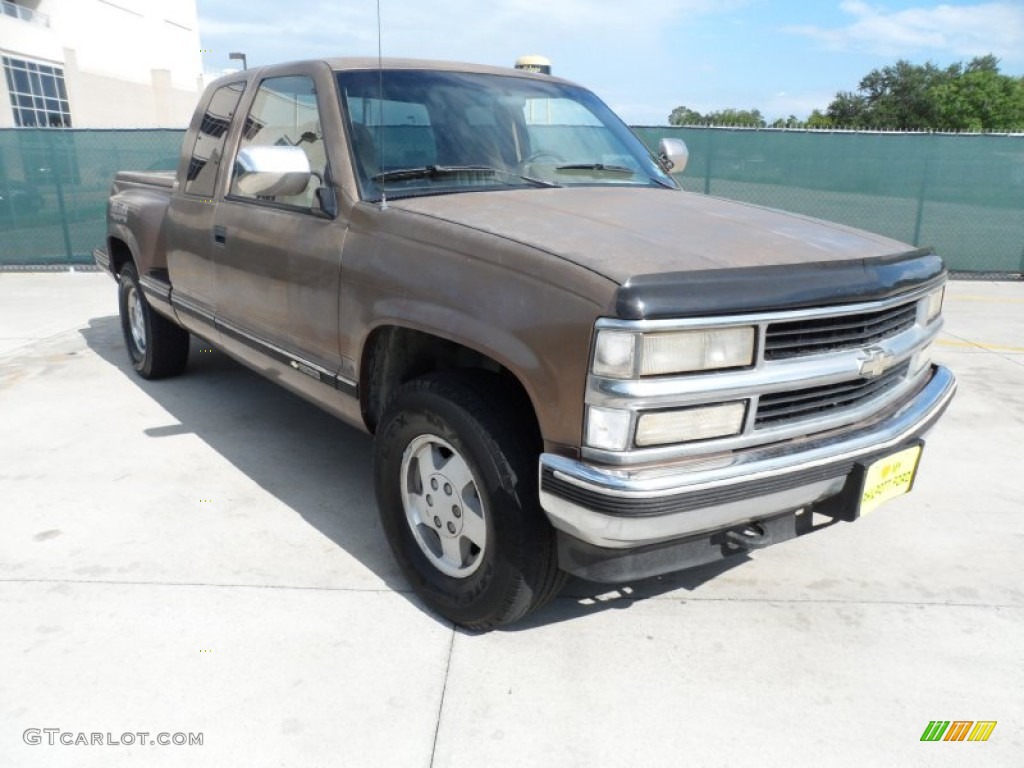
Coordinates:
column 54, row 186
column 961, row 194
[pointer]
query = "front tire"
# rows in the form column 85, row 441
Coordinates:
column 456, row 480
column 157, row 347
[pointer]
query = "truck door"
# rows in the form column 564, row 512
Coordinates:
column 190, row 213
column 277, row 259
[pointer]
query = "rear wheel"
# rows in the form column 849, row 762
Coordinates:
column 157, row 347
column 456, row 481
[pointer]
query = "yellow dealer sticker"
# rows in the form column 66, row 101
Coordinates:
column 888, row 478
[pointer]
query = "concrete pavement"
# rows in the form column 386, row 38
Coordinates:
column 202, row 555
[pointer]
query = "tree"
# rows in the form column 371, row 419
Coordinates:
column 981, row 100
column 789, row 122
column 729, row 117
column 685, row 116
column 972, row 96
column 900, row 97
column 819, row 119
column 906, row 97
column 847, row 110
column 748, row 118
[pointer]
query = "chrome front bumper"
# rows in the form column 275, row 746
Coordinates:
column 622, row 508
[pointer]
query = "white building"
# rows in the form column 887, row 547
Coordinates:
column 99, row 63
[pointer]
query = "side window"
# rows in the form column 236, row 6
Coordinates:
column 284, row 113
column 209, row 147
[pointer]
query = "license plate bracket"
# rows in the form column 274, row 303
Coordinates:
column 848, row 504
column 887, row 478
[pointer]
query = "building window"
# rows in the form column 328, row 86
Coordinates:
column 38, row 96
column 25, row 14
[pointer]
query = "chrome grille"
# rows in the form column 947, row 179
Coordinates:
column 829, row 334
column 782, row 407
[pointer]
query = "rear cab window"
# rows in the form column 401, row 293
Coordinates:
column 205, row 160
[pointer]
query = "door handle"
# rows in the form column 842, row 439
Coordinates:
column 220, row 235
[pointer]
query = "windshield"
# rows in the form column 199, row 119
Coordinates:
column 443, row 132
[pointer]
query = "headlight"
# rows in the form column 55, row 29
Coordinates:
column 683, row 351
column 703, row 423
column 619, row 354
column 932, row 305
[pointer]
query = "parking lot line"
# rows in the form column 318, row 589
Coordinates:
column 980, row 345
column 987, row 299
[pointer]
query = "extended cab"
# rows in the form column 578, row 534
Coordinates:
column 568, row 364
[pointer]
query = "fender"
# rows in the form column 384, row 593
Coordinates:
column 136, row 215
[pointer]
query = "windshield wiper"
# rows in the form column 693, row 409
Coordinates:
column 596, row 167
column 438, row 171
column 430, row 172
column 611, row 169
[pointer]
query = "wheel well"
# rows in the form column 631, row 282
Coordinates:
column 120, row 254
column 394, row 355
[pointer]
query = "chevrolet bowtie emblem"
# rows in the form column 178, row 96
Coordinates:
column 876, row 363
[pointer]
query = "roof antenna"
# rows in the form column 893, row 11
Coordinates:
column 380, row 111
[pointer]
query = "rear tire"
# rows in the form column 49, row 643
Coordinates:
column 158, row 348
column 455, row 470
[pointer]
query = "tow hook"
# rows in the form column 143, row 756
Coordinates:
column 751, row 536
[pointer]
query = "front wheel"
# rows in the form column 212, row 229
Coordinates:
column 455, row 474
column 157, row 347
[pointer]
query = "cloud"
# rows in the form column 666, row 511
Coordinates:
column 570, row 15
column 279, row 33
column 960, row 30
column 438, row 29
column 633, row 55
column 627, row 53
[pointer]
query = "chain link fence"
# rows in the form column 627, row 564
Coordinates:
column 961, row 194
column 54, row 185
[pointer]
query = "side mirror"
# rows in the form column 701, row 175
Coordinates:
column 272, row 171
column 673, row 155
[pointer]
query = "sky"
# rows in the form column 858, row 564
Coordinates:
column 643, row 57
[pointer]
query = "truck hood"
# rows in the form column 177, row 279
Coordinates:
column 621, row 233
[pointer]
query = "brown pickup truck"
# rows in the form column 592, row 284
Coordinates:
column 568, row 364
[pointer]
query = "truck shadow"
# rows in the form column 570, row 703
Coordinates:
column 313, row 463
column 322, row 468
column 580, row 598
